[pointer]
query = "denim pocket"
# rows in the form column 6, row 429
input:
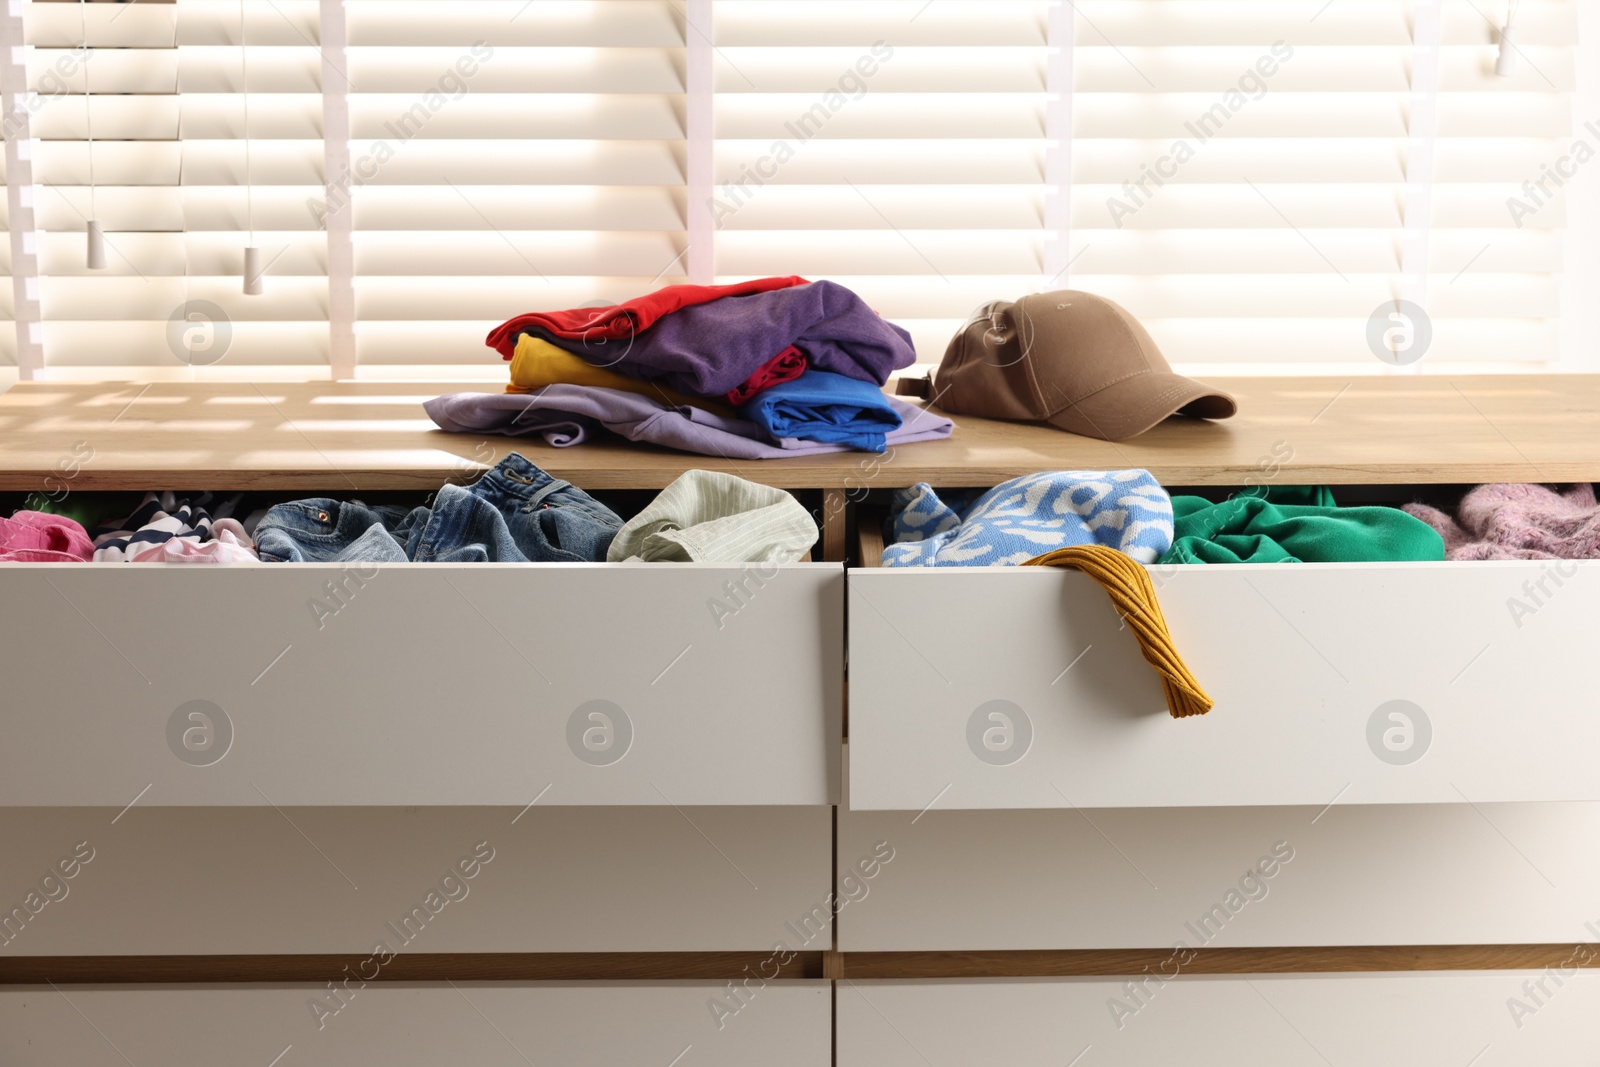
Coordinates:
column 565, row 534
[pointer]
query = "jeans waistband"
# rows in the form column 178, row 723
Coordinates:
column 515, row 479
column 515, row 484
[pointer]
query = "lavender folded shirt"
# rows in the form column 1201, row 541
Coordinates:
column 708, row 349
column 567, row 414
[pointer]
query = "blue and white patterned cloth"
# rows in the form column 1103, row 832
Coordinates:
column 1025, row 517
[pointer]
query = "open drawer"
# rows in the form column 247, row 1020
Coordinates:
column 421, row 684
column 1358, row 683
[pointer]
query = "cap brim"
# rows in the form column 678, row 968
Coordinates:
column 1130, row 407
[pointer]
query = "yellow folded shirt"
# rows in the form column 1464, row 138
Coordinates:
column 538, row 363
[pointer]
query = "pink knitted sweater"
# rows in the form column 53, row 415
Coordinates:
column 1518, row 522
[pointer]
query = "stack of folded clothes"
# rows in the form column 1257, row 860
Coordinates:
column 763, row 369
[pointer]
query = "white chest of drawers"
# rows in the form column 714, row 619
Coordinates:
column 663, row 785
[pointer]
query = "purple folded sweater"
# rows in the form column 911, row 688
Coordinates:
column 570, row 414
column 709, row 349
column 1518, row 522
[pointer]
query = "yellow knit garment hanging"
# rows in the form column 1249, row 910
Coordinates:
column 1134, row 597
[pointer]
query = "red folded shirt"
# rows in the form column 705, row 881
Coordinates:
column 626, row 319
column 786, row 366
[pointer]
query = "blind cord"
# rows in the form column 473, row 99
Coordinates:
column 249, row 185
column 1505, row 64
column 252, row 253
column 94, row 236
column 88, row 107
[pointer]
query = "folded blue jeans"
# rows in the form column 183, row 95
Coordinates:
column 516, row 513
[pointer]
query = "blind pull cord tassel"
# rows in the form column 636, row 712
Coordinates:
column 252, row 270
column 97, row 246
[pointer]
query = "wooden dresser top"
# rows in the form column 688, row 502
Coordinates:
column 363, row 436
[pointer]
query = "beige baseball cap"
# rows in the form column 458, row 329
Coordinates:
column 1074, row 360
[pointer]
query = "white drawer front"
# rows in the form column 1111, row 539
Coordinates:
column 430, row 684
column 1375, row 1020
column 1369, row 683
column 338, row 880
column 1511, row 874
column 485, row 1024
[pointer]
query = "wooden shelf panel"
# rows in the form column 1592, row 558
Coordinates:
column 353, row 437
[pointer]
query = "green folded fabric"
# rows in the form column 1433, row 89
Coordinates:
column 1260, row 527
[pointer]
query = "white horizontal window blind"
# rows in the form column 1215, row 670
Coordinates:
column 1256, row 179
column 1240, row 168
column 141, row 121
column 509, row 156
column 15, row 160
column 1282, row 223
column 895, row 147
